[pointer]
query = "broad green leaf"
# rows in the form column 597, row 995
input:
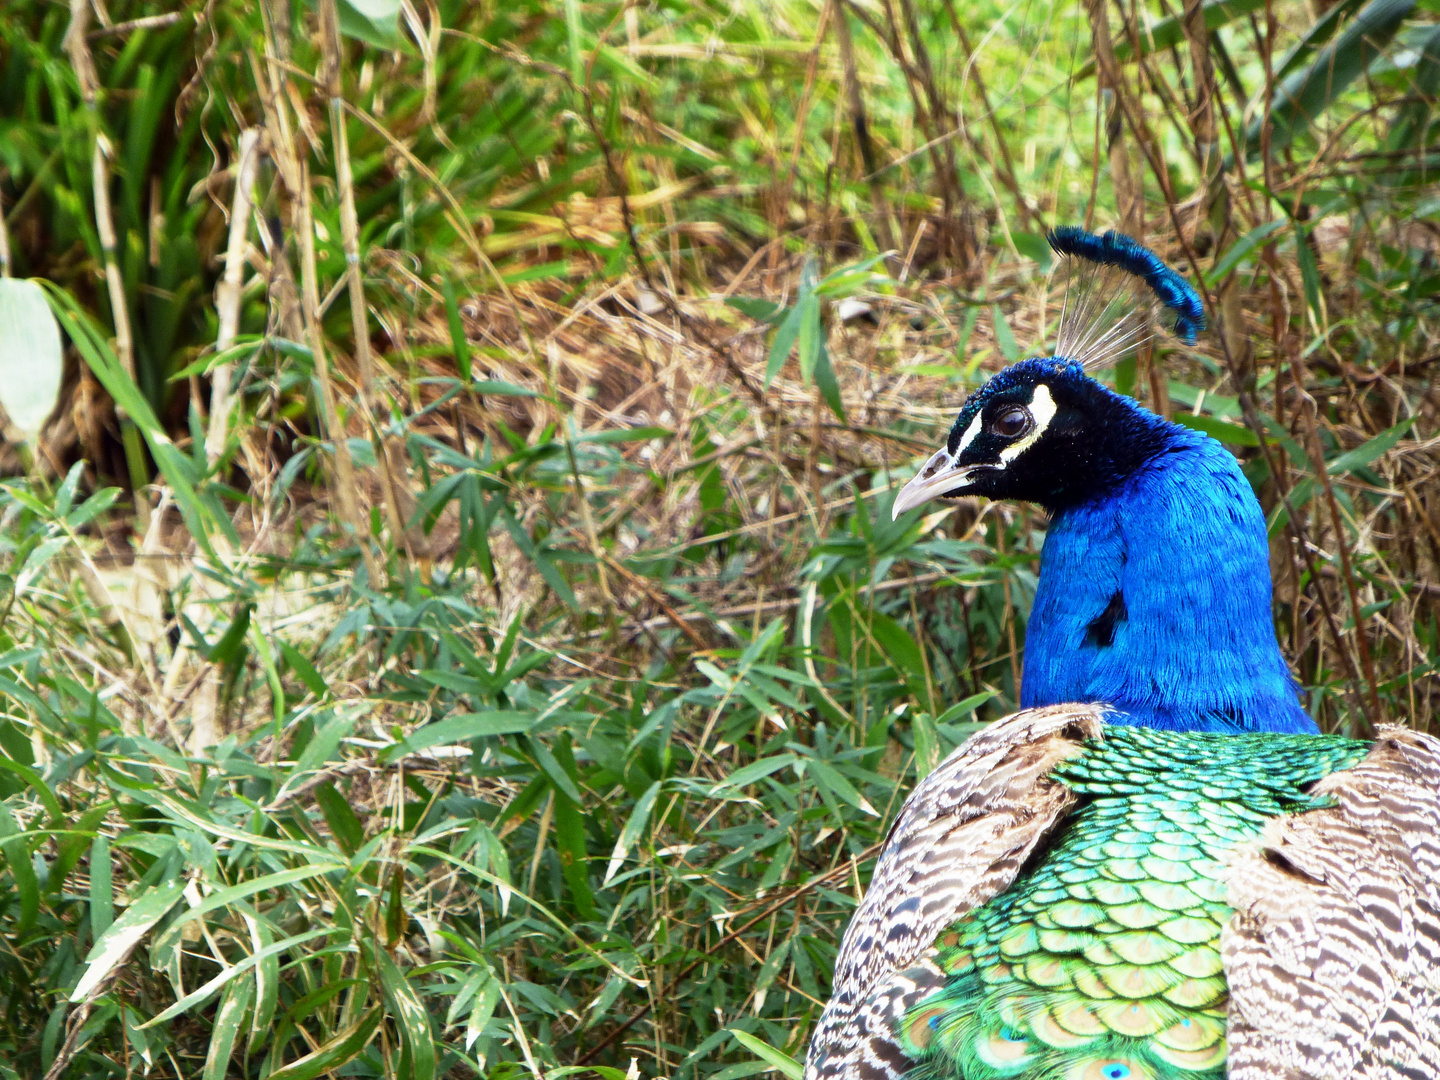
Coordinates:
column 825, row 774
column 828, row 385
column 776, row 1059
column 1404, row 132
column 267, row 974
column 622, row 435
column 1223, row 430
column 1309, row 274
column 303, row 668
column 341, row 1048
column 1241, row 249
column 574, row 859
column 899, row 648
column 1034, row 247
column 323, row 744
column 759, row 310
column 1306, row 93
column 812, row 334
column 780, row 348
column 1368, row 451
column 485, row 1002
column 927, row 745
column 756, row 770
column 375, row 22
column 177, row 469
column 639, row 818
column 458, row 341
column 1169, row 32
column 228, row 1018
column 102, row 899
column 501, row 388
column 472, row 985
column 234, row 971
column 410, row 1016
column 460, row 728
column 1319, row 32
column 236, row 894
column 17, row 857
column 31, row 358
column 344, row 825
column 1004, row 338
column 126, row 931
column 965, row 707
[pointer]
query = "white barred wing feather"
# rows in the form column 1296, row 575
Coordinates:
column 1333, row 954
column 961, row 838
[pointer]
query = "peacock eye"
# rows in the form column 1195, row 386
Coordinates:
column 1011, row 423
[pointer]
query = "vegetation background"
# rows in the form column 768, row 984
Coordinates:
column 453, row 623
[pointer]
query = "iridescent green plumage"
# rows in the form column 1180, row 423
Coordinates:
column 1103, row 962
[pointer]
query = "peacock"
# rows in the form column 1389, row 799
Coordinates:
column 1159, row 870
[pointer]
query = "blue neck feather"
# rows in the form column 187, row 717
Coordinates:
column 1154, row 596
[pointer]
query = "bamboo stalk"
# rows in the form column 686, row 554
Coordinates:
column 227, row 293
column 294, row 170
column 84, row 66
column 398, row 501
column 1108, row 76
column 4, row 243
column 884, row 228
column 343, row 480
column 1004, row 167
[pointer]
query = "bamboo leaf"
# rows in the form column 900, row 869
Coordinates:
column 342, row 1047
column 124, row 933
column 461, row 728
column 780, row 348
column 1306, row 93
column 410, row 1017
column 17, row 856
column 1368, row 451
column 31, row 359
column 375, row 22
column 1168, row 32
column 228, row 1018
column 639, row 818
column 783, row 1063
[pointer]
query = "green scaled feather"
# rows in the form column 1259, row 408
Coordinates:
column 1103, row 962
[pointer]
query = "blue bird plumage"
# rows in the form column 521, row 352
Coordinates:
column 1154, row 595
column 1154, row 592
column 1214, row 889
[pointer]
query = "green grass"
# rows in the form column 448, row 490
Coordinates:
column 527, row 684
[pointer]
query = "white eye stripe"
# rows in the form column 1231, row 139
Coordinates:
column 1043, row 410
column 969, row 436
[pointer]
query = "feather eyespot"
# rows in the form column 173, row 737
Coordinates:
column 923, row 1026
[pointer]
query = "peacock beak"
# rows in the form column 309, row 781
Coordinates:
column 942, row 475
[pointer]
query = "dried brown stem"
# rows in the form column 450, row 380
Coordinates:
column 227, row 293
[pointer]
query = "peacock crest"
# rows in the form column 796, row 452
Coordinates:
column 1105, row 311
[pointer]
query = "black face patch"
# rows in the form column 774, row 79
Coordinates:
column 1101, row 631
column 1043, row 431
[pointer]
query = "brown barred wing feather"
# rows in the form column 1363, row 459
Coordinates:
column 1333, row 954
column 961, row 838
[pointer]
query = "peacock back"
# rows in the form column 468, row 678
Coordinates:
column 1103, row 961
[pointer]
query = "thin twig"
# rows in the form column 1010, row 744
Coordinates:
column 789, row 898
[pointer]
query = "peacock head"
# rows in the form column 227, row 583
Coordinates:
column 1040, row 431
column 1044, row 431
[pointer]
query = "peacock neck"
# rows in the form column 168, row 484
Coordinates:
column 1155, row 598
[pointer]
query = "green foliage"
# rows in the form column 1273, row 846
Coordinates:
column 570, row 748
